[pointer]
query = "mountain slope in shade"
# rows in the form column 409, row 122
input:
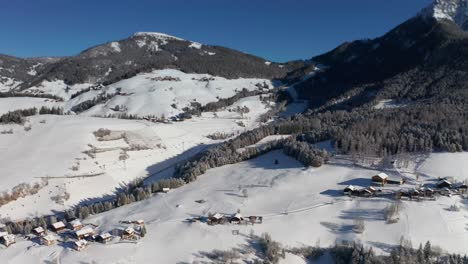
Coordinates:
column 422, row 58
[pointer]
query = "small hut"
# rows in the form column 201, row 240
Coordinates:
column 48, row 240
column 75, row 225
column 7, row 239
column 58, row 226
column 84, row 232
column 236, row 219
column 444, row 184
column 39, row 231
column 104, row 238
column 80, row 245
column 166, row 190
column 380, row 178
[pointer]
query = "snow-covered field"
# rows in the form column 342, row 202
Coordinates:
column 54, row 147
column 16, row 103
column 161, row 92
column 299, row 205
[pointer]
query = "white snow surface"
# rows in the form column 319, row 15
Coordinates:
column 195, row 45
column 143, row 95
column 16, row 103
column 294, row 201
column 116, row 46
column 453, row 10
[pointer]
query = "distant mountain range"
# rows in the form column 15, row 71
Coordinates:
column 142, row 52
column 424, row 57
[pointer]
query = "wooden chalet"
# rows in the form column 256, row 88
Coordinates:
column 215, row 219
column 75, row 225
column 349, row 190
column 104, row 238
column 84, row 232
column 397, row 181
column 427, row 192
column 380, row 178
column 7, row 239
column 39, row 231
column 48, row 240
column 80, row 245
column 2, row 227
column 444, row 184
column 128, row 233
column 236, row 219
column 58, row 226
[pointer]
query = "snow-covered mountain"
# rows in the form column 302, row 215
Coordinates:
column 453, row 10
column 143, row 52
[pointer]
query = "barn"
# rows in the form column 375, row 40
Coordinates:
column 380, row 178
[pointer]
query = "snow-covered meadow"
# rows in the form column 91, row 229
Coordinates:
column 300, row 206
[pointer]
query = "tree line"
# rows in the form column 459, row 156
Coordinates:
column 17, row 116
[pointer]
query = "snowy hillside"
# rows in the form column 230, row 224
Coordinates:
column 54, row 147
column 299, row 206
column 164, row 92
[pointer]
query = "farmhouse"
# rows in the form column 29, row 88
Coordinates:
column 7, row 239
column 380, row 178
column 84, row 232
column 128, row 233
column 58, row 226
column 48, row 240
column 236, row 219
column 80, row 245
column 75, row 225
column 444, row 184
column 104, row 238
column 39, row 231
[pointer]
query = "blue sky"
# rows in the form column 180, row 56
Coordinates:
column 278, row 30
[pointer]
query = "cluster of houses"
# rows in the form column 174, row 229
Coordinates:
column 443, row 187
column 82, row 234
column 236, row 219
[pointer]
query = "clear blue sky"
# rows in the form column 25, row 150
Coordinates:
column 278, row 30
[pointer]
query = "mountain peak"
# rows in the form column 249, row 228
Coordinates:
column 453, row 10
column 155, row 35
